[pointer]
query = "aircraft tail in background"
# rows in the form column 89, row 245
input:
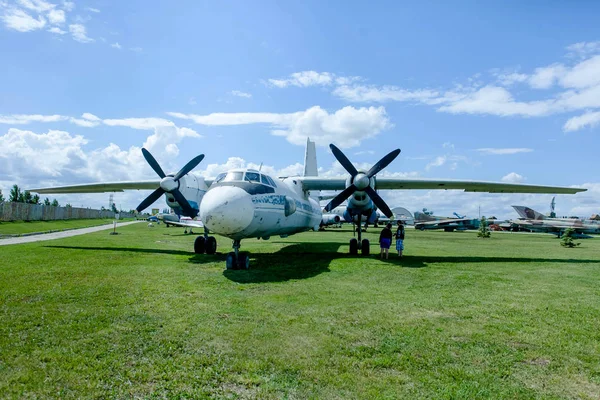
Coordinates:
column 528, row 213
column 310, row 159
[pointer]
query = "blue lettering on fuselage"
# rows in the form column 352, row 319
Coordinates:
column 279, row 200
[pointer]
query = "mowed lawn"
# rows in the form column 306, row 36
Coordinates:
column 139, row 315
column 21, row 227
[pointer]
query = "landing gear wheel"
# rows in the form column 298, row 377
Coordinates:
column 230, row 261
column 422, row 228
column 353, row 246
column 365, row 247
column 243, row 261
column 199, row 245
column 211, row 245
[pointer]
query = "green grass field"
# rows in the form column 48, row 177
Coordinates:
column 139, row 315
column 21, row 227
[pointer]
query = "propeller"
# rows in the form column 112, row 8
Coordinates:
column 361, row 181
column 170, row 184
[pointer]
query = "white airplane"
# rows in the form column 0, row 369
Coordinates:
column 246, row 203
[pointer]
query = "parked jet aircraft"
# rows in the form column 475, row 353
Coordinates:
column 425, row 220
column 537, row 222
column 245, row 203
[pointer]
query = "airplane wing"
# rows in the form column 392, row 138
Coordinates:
column 187, row 224
column 316, row 183
column 101, row 187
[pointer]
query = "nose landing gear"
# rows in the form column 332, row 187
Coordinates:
column 237, row 260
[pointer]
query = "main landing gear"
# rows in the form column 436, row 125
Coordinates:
column 237, row 260
column 364, row 244
column 205, row 244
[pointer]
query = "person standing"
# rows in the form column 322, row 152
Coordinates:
column 400, row 238
column 385, row 240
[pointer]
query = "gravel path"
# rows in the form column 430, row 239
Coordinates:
column 60, row 235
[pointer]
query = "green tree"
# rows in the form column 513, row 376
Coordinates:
column 1, row 196
column 46, row 201
column 484, row 230
column 567, row 238
column 68, row 205
column 35, row 199
column 26, row 197
column 55, row 203
column 114, row 208
column 15, row 194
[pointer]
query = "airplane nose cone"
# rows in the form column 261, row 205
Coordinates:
column 226, row 210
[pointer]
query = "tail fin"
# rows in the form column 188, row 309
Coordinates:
column 310, row 159
column 528, row 213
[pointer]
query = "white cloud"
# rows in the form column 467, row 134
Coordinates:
column 346, row 127
column 90, row 117
column 496, row 100
column 545, row 77
column 241, row 94
column 94, row 10
column 38, row 6
column 437, row 162
column 116, row 45
column 57, row 30
column 507, row 79
column 496, row 151
column 513, row 177
column 68, row 5
column 590, row 119
column 22, row 119
column 367, row 94
column 79, row 34
column 583, row 49
column 56, row 17
column 304, row 79
column 19, row 20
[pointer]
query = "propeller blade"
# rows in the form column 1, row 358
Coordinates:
column 340, row 198
column 147, row 202
column 384, row 162
column 183, row 203
column 378, row 201
column 152, row 161
column 189, row 166
column 341, row 157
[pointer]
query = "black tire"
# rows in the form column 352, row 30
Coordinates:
column 422, row 227
column 211, row 245
column 448, row 229
column 230, row 261
column 365, row 247
column 353, row 246
column 243, row 261
column 199, row 245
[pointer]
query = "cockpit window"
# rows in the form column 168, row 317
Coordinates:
column 252, row 177
column 220, row 177
column 272, row 181
column 264, row 179
column 233, row 176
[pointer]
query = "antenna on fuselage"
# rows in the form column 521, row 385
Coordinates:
column 260, row 166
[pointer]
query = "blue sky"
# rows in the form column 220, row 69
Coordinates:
column 500, row 92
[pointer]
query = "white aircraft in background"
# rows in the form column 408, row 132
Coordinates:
column 245, row 203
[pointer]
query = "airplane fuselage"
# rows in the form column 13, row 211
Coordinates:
column 246, row 204
column 193, row 188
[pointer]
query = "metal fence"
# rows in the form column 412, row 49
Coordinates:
column 32, row 212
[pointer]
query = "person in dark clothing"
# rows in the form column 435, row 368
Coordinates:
column 385, row 240
column 400, row 238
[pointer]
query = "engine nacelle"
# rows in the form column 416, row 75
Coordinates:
column 330, row 219
column 193, row 188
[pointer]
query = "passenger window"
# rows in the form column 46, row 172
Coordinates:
column 234, row 176
column 220, row 177
column 252, row 177
column 264, row 179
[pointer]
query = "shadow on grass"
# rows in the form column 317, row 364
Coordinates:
column 296, row 261
column 130, row 249
column 423, row 261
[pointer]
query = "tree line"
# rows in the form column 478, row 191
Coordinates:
column 17, row 195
